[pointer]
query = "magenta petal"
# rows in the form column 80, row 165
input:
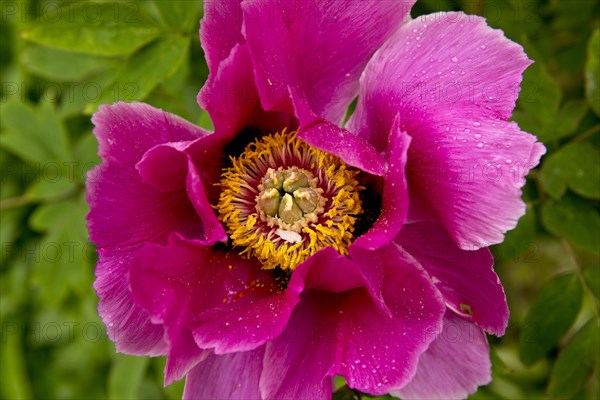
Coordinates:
column 463, row 277
column 372, row 362
column 232, row 101
column 125, row 212
column 177, row 282
column 225, row 300
column 184, row 354
column 220, row 30
column 470, row 171
column 454, row 365
column 125, row 131
column 352, row 149
column 249, row 322
column 299, row 363
column 348, row 334
column 169, row 167
column 164, row 167
column 213, row 230
column 313, row 46
column 466, row 164
column 437, row 61
column 230, row 376
column 394, row 209
column 127, row 324
column 328, row 270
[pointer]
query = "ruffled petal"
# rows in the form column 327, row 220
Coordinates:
column 230, row 376
column 125, row 212
column 258, row 314
column 313, row 46
column 466, row 279
column 226, row 301
column 127, row 324
column 466, row 163
column 349, row 334
column 125, row 131
column 469, row 171
column 454, row 365
column 437, row 61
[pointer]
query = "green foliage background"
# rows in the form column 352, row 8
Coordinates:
column 58, row 65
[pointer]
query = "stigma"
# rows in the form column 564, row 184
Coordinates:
column 282, row 201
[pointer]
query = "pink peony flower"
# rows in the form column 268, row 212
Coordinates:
column 282, row 249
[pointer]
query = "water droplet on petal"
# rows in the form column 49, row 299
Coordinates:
column 480, row 145
column 476, row 123
column 477, row 136
column 454, row 59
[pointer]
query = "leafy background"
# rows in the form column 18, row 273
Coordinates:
column 58, row 65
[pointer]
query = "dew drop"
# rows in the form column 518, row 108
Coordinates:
column 480, row 145
column 476, row 124
column 477, row 136
column 454, row 59
column 482, row 47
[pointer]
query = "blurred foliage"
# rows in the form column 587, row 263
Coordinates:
column 60, row 60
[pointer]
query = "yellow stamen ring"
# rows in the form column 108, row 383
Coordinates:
column 283, row 200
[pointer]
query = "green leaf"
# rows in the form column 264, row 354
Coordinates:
column 542, row 329
column 60, row 259
column 540, row 93
column 46, row 189
column 77, row 96
column 35, row 134
column 575, row 220
column 575, row 362
column 126, row 376
column 592, row 72
column 541, row 112
column 104, row 29
column 86, row 156
column 204, row 121
column 145, row 70
column 592, row 279
column 59, row 65
column 520, row 239
column 577, row 166
column 14, row 383
column 181, row 14
column 569, row 117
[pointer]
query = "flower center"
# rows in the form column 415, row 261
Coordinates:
column 289, row 198
column 283, row 200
